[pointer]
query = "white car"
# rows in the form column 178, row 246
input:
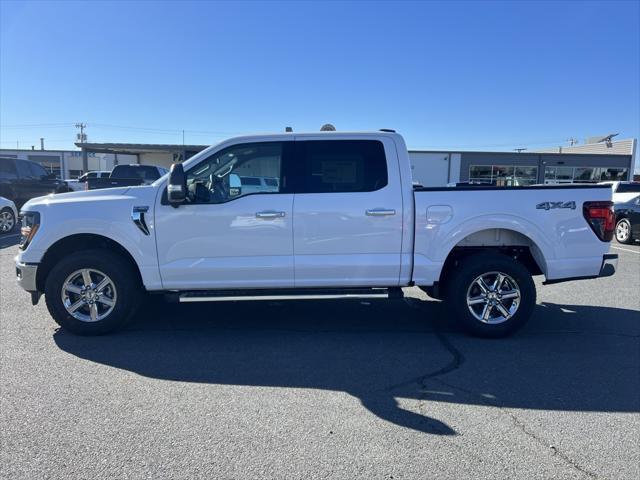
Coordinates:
column 623, row 191
column 81, row 182
column 345, row 221
column 259, row 184
column 8, row 215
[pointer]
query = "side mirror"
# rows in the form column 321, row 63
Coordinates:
column 177, row 187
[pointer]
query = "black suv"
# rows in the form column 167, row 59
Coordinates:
column 21, row 180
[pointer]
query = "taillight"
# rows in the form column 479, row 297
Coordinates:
column 601, row 218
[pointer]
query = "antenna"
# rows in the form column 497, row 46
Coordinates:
column 81, row 137
column 608, row 140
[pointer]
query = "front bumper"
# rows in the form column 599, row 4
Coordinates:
column 26, row 275
column 26, row 278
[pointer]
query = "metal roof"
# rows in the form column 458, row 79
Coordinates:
column 138, row 147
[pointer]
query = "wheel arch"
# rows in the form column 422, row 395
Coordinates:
column 507, row 241
column 74, row 243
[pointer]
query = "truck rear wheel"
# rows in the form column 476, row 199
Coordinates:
column 492, row 295
column 92, row 292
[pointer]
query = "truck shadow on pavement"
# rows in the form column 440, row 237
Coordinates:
column 388, row 354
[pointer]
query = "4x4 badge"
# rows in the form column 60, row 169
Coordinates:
column 552, row 205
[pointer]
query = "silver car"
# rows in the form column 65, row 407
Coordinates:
column 8, row 215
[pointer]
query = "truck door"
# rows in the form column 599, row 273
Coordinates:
column 223, row 237
column 347, row 218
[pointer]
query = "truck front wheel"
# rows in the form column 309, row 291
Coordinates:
column 92, row 292
column 492, row 295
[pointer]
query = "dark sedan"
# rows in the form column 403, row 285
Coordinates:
column 628, row 220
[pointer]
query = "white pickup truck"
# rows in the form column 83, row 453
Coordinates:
column 344, row 220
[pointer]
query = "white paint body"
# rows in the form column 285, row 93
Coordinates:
column 323, row 239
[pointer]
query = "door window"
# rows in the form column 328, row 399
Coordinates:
column 37, row 171
column 23, row 169
column 7, row 168
column 235, row 172
column 340, row 166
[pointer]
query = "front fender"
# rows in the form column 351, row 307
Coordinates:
column 107, row 215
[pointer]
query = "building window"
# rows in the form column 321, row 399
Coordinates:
column 556, row 174
column 503, row 175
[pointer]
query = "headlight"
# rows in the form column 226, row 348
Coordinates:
column 30, row 224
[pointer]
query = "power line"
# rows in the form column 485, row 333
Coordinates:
column 37, row 125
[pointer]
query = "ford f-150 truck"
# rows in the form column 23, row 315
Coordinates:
column 343, row 220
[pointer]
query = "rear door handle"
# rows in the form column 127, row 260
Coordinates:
column 269, row 214
column 381, row 212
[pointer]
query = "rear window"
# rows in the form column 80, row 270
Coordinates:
column 341, row 166
column 144, row 172
column 629, row 188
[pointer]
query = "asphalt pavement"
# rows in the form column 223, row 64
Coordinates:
column 385, row 389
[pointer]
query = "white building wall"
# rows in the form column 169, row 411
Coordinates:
column 159, row 159
column 430, row 169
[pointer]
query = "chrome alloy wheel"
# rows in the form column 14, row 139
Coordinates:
column 7, row 221
column 89, row 295
column 493, row 297
column 622, row 231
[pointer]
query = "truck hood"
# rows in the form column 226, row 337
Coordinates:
column 83, row 196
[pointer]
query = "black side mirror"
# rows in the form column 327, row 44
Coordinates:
column 177, row 188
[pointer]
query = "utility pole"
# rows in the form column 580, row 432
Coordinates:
column 82, row 138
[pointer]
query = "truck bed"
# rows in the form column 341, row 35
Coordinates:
column 547, row 219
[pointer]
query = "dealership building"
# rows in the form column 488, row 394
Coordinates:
column 589, row 162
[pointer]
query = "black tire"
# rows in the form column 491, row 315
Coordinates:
column 460, row 284
column 125, row 283
column 620, row 229
column 11, row 217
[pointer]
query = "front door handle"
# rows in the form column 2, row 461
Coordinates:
column 269, row 214
column 381, row 212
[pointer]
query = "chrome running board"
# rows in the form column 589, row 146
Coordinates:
column 284, row 294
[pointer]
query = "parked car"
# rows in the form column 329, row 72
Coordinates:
column 628, row 220
column 8, row 215
column 623, row 191
column 361, row 229
column 259, row 184
column 127, row 176
column 80, row 182
column 21, row 180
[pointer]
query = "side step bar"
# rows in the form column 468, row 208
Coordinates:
column 282, row 294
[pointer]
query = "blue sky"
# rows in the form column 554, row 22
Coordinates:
column 469, row 75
